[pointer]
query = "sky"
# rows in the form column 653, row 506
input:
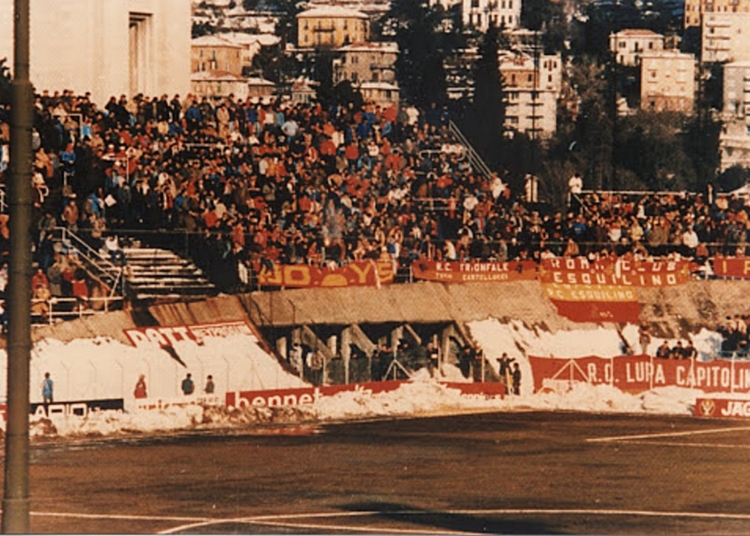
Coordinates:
column 104, row 368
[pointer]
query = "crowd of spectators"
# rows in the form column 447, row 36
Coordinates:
column 245, row 184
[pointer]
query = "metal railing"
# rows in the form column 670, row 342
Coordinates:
column 56, row 309
column 99, row 267
column 474, row 158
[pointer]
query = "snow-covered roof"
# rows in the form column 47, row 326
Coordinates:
column 259, row 81
column 331, row 12
column 379, row 86
column 212, row 41
column 246, row 39
column 637, row 32
column 385, row 46
column 223, row 76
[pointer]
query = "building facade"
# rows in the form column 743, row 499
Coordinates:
column 725, row 37
column 628, row 45
column 668, row 82
column 532, row 89
column 366, row 62
column 215, row 53
column 734, row 141
column 112, row 47
column 480, row 14
column 331, row 26
column 695, row 9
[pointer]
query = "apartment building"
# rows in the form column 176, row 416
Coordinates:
column 331, row 26
column 725, row 37
column 480, row 14
column 215, row 53
column 628, row 45
column 695, row 9
column 668, row 81
column 532, row 90
column 366, row 62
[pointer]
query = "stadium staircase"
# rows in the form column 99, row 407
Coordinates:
column 159, row 274
column 148, row 274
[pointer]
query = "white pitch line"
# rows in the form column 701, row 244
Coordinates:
column 124, row 517
column 278, row 520
column 667, row 434
column 678, row 444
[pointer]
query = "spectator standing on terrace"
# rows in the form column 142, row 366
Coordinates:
column 140, row 387
column 644, row 337
column 187, row 385
column 663, row 352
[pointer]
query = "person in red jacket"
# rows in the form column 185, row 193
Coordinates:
column 140, row 387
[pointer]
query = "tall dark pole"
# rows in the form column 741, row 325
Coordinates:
column 16, row 498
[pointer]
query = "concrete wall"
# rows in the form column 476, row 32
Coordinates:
column 671, row 311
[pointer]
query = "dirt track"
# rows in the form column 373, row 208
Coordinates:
column 509, row 473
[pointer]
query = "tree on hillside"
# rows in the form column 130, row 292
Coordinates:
column 487, row 116
column 594, row 123
column 419, row 67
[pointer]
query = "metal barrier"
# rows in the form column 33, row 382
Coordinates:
column 56, row 309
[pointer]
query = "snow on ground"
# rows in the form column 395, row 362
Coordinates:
column 101, row 367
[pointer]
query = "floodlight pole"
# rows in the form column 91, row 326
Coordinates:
column 16, row 497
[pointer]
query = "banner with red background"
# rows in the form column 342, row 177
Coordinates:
column 474, row 272
column 640, row 373
column 603, row 291
column 731, row 267
column 355, row 274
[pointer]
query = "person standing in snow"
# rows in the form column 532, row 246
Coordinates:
column 140, row 387
column 505, row 371
column 516, row 379
column 187, row 385
column 47, row 392
column 210, row 387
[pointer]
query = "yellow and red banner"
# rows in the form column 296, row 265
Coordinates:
column 732, row 267
column 474, row 272
column 355, row 274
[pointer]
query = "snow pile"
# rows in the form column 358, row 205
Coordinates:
column 103, row 368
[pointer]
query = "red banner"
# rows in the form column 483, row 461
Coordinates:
column 641, row 373
column 594, row 303
column 732, row 267
column 354, row 274
column 722, row 408
column 474, row 272
column 308, row 395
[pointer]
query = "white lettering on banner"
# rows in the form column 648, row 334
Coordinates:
column 77, row 409
column 287, row 399
column 644, row 371
column 444, row 267
column 170, row 335
column 592, row 373
column 736, row 408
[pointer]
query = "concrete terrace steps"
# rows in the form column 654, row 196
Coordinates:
column 154, row 273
